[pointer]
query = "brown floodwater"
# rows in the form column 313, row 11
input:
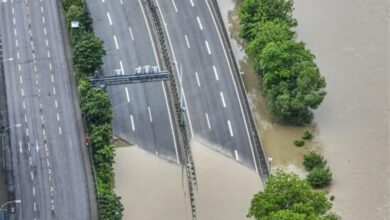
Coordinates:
column 351, row 41
column 152, row 188
column 277, row 139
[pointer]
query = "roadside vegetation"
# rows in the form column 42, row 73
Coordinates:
column 291, row 81
column 88, row 53
column 287, row 197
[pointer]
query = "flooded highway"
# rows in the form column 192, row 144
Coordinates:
column 152, row 188
column 350, row 39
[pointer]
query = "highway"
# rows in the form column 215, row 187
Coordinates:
column 48, row 166
column 214, row 110
column 142, row 115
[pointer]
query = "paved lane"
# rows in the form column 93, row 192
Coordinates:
column 48, row 166
column 213, row 106
column 141, row 112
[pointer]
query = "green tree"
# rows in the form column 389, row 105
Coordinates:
column 267, row 32
column 96, row 107
column 291, row 196
column 100, row 136
column 285, row 215
column 291, row 81
column 78, row 13
column 253, row 12
column 88, row 54
column 319, row 177
column 312, row 160
column 110, row 207
column 68, row 3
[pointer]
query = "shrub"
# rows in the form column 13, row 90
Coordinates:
column 299, row 143
column 307, row 135
column 312, row 160
column 319, row 177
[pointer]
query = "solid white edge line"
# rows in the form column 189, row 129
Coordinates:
column 162, row 83
column 177, row 68
column 234, row 83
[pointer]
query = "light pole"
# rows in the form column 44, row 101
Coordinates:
column 12, row 126
column 2, row 131
column 9, row 59
column 9, row 202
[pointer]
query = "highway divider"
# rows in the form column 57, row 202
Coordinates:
column 95, row 106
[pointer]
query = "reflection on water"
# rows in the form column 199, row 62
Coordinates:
column 351, row 41
column 152, row 188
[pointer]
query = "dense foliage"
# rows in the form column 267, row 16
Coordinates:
column 88, row 53
column 313, row 159
column 319, row 177
column 253, row 12
column 288, row 197
column 292, row 83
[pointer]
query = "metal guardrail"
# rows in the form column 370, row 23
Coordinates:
column 129, row 78
column 185, row 149
column 260, row 154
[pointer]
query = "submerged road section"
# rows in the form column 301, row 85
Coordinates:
column 217, row 111
column 142, row 112
column 49, row 175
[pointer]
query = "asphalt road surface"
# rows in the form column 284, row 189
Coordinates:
column 48, row 166
column 141, row 112
column 214, row 109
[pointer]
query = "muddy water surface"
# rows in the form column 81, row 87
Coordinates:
column 351, row 41
column 153, row 189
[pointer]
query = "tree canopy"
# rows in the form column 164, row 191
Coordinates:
column 292, row 82
column 286, row 196
column 253, row 12
column 110, row 207
column 88, row 54
column 267, row 32
column 97, row 107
